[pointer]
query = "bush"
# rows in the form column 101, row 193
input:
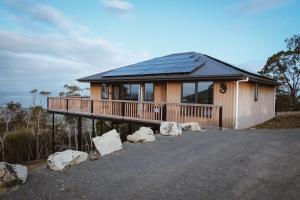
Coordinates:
column 19, row 146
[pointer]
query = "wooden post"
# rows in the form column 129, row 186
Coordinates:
column 53, row 127
column 79, row 133
column 93, row 128
column 220, row 118
column 129, row 128
column 67, row 104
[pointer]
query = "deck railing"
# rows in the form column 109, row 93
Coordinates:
column 204, row 114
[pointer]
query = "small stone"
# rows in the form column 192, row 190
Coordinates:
column 94, row 155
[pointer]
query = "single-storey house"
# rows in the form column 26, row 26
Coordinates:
column 182, row 87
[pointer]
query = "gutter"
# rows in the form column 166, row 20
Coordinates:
column 237, row 100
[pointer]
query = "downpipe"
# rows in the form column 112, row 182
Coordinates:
column 237, row 101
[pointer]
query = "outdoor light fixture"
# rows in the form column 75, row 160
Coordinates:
column 223, row 87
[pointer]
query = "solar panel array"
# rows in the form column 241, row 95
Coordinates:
column 171, row 64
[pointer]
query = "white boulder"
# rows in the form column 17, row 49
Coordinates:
column 108, row 142
column 190, row 126
column 60, row 160
column 11, row 175
column 144, row 134
column 170, row 128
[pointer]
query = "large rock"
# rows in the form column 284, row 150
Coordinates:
column 144, row 134
column 170, row 128
column 61, row 160
column 190, row 126
column 11, row 175
column 108, row 142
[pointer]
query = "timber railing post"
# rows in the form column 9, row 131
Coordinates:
column 92, row 106
column 67, row 104
column 47, row 102
column 220, row 118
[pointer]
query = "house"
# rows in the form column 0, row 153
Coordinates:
column 181, row 87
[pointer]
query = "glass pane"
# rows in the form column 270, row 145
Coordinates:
column 104, row 91
column 188, row 92
column 205, row 92
column 135, row 92
column 149, row 92
column 125, row 92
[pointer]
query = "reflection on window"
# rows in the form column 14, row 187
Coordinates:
column 188, row 92
column 104, row 91
column 149, row 92
column 205, row 92
column 130, row 92
column 197, row 92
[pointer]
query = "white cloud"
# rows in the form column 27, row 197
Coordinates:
column 29, row 58
column 117, row 5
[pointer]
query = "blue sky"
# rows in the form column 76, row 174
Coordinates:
column 46, row 44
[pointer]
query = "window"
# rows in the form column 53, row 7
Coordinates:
column 256, row 92
column 104, row 91
column 188, row 92
column 197, row 92
column 205, row 92
column 130, row 92
column 149, row 92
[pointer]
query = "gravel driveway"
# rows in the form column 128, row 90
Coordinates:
column 243, row 164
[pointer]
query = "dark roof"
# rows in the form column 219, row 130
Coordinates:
column 182, row 66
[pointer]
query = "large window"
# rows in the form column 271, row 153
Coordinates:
column 197, row 92
column 128, row 91
column 104, row 91
column 188, row 92
column 205, row 93
column 149, row 92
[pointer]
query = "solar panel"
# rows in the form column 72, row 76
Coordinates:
column 175, row 63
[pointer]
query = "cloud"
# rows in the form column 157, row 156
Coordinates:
column 29, row 59
column 258, row 6
column 117, row 5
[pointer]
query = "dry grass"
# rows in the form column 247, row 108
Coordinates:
column 282, row 121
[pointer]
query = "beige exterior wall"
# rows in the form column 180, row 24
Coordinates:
column 227, row 101
column 95, row 90
column 160, row 92
column 174, row 92
column 250, row 112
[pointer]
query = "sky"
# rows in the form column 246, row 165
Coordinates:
column 47, row 44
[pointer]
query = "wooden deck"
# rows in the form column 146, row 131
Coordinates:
column 138, row 111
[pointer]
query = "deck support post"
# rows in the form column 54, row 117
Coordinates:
column 220, row 118
column 129, row 128
column 53, row 130
column 93, row 128
column 79, row 134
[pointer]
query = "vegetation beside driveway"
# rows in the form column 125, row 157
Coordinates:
column 229, row 164
column 282, row 121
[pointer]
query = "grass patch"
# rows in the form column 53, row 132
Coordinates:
column 282, row 122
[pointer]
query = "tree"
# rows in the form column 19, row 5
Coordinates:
column 33, row 95
column 284, row 66
column 72, row 90
column 7, row 114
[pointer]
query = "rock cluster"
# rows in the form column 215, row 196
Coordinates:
column 144, row 134
column 11, row 175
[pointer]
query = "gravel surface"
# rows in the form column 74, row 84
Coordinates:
column 233, row 164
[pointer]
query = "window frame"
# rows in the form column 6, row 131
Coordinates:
column 121, row 94
column 144, row 92
column 195, row 92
